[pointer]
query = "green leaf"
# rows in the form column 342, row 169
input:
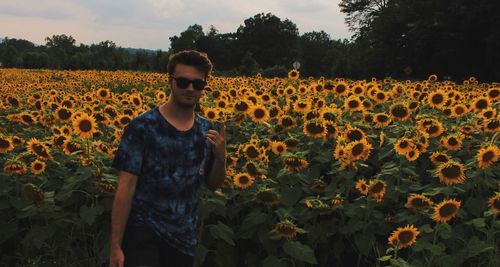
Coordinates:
column 290, row 195
column 478, row 223
column 222, row 231
column 201, row 254
column 300, row 251
column 476, row 247
column 364, row 242
column 385, row 258
column 89, row 214
column 272, row 261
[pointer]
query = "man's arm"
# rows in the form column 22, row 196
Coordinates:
column 121, row 207
column 217, row 174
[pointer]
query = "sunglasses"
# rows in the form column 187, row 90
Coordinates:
column 183, row 83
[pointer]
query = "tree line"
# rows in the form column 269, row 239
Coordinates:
column 402, row 39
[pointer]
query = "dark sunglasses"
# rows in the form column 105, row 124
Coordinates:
column 183, row 83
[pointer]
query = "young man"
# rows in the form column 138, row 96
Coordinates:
column 164, row 156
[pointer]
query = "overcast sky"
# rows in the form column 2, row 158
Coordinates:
column 149, row 23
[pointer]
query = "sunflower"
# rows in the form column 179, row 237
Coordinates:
column 301, row 105
column 293, row 74
column 293, row 163
column 311, row 114
column 39, row 149
column 446, row 210
column 403, row 146
column 437, row 99
column 26, row 118
column 362, row 186
column 84, row 126
column 279, row 148
column 243, row 180
column 353, row 103
column 382, row 119
column 6, row 144
column 331, row 129
column 489, row 113
column 380, row 97
column 481, row 103
column 314, row 128
column 286, row 229
column 359, row 150
column 123, row 120
column 33, row 193
column 211, row 114
column 136, row 100
column 412, row 155
column 354, row 134
column 70, row 147
column 451, row 172
column 37, row 166
column 287, row 122
column 341, row 88
column 252, row 152
column 259, row 114
column 267, row 197
column 15, row 167
column 377, row 188
column 452, row 142
column 63, row 114
column 439, row 158
column 494, row 203
column 430, row 128
column 494, row 93
column 419, row 202
column 404, row 236
column 459, row 110
column 318, row 186
column 399, row 111
column 491, row 125
column 487, row 156
column 274, row 112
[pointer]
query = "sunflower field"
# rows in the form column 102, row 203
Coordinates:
column 321, row 172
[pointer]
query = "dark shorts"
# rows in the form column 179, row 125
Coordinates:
column 142, row 247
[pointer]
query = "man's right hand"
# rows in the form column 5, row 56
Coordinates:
column 116, row 257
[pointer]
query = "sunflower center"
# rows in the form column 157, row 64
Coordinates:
column 27, row 118
column 85, row 126
column 287, row 122
column 419, row 203
column 355, row 135
column 315, row 128
column 452, row 171
column 405, row 237
column 437, row 99
column 488, row 156
column 494, row 93
column 340, row 88
column 353, row 104
column 447, row 210
column 259, row 113
column 399, row 112
column 244, row 179
column 40, row 150
column 481, row 104
column 382, row 118
column 267, row 196
column 358, row 149
column 4, row 143
column 452, row 141
column 252, row 152
column 459, row 110
column 493, row 125
column 377, row 188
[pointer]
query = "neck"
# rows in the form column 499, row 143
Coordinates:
column 173, row 110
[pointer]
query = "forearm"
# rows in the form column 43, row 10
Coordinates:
column 217, row 174
column 119, row 216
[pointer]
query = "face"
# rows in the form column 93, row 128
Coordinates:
column 188, row 97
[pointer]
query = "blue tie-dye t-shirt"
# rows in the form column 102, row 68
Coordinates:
column 171, row 165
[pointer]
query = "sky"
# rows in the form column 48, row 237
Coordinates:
column 149, row 23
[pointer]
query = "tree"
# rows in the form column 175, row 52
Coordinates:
column 187, row 39
column 271, row 40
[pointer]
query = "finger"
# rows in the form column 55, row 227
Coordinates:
column 211, row 141
column 213, row 136
column 212, row 131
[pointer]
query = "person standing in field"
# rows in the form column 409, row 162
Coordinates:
column 164, row 156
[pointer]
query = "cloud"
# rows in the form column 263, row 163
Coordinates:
column 149, row 23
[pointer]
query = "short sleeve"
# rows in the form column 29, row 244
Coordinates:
column 130, row 153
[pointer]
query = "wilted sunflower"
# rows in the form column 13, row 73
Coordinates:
column 494, row 203
column 39, row 149
column 33, row 193
column 84, row 126
column 419, row 202
column 404, row 236
column 279, row 148
column 243, row 180
column 15, row 167
column 293, row 163
column 487, row 156
column 452, row 142
column 267, row 196
column 70, row 147
column 377, row 188
column 451, row 172
column 37, row 166
column 318, row 186
column 446, row 210
column 286, row 229
column 362, row 186
column 359, row 150
column 6, row 144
